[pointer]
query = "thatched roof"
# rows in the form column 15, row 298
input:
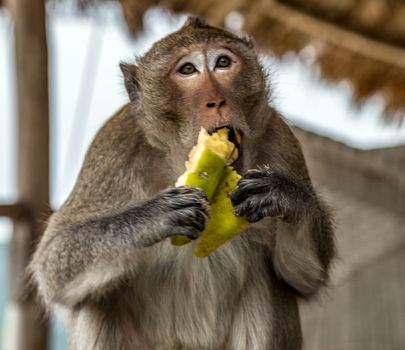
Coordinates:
column 362, row 41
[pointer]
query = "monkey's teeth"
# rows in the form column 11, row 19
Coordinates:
column 234, row 156
column 238, row 136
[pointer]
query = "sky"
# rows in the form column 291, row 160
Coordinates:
column 86, row 88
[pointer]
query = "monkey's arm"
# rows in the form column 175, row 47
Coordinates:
column 302, row 241
column 100, row 234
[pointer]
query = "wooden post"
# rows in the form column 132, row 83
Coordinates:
column 28, row 330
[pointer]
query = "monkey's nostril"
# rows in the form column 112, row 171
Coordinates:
column 214, row 104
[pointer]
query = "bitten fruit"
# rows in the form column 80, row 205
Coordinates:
column 207, row 168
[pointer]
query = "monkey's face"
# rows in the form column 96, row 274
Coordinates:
column 200, row 76
column 205, row 78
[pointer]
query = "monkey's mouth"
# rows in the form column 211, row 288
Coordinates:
column 234, row 136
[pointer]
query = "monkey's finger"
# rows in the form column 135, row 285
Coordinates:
column 267, row 211
column 270, row 207
column 258, row 206
column 184, row 190
column 192, row 191
column 185, row 196
column 254, row 174
column 248, row 206
column 191, row 217
column 245, row 190
column 187, row 231
column 200, row 220
column 255, row 216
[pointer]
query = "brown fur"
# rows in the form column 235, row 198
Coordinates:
column 104, row 262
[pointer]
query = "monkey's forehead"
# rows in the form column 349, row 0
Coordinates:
column 189, row 37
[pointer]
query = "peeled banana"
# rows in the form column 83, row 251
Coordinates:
column 207, row 169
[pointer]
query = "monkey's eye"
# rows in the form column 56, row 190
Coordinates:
column 223, row 62
column 187, row 69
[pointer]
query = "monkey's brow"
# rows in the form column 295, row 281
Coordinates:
column 204, row 50
column 179, row 59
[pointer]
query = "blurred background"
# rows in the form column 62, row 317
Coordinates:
column 337, row 71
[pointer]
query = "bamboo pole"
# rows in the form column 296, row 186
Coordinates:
column 14, row 211
column 30, row 326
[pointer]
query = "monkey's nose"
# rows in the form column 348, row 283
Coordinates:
column 216, row 104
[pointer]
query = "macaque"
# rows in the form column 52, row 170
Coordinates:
column 105, row 261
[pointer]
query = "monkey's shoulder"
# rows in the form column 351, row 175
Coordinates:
column 116, row 162
column 121, row 140
column 118, row 133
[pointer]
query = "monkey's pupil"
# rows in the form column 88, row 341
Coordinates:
column 188, row 68
column 223, row 62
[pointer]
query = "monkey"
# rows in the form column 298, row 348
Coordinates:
column 105, row 261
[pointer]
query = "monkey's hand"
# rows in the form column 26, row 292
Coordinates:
column 304, row 230
column 262, row 193
column 178, row 211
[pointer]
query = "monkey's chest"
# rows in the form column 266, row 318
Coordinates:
column 187, row 301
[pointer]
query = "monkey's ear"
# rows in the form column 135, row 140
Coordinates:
column 196, row 22
column 130, row 80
